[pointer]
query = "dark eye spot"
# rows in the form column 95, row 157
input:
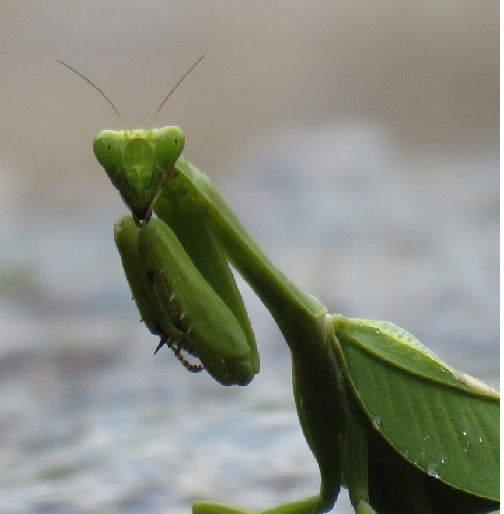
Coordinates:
column 108, row 146
column 150, row 276
column 175, row 141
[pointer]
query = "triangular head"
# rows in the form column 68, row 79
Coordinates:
column 137, row 162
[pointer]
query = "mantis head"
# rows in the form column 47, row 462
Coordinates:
column 137, row 162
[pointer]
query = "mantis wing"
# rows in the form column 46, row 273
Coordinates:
column 439, row 421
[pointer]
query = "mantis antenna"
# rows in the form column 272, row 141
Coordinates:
column 82, row 76
column 161, row 105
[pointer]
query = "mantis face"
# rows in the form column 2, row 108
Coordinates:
column 137, row 161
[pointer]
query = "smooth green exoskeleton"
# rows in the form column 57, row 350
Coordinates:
column 410, row 422
column 171, row 332
column 189, row 219
column 126, row 233
column 177, row 303
column 138, row 161
column 383, row 416
column 352, row 443
column 436, row 418
column 218, row 339
column 134, row 161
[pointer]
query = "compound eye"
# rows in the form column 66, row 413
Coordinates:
column 169, row 143
column 107, row 147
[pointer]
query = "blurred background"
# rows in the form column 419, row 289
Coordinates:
column 358, row 141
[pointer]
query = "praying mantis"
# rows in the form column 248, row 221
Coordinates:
column 382, row 415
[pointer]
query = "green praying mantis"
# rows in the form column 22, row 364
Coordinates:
column 383, row 416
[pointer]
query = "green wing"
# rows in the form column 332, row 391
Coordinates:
column 443, row 422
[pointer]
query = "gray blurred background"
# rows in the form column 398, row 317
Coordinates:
column 358, row 141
